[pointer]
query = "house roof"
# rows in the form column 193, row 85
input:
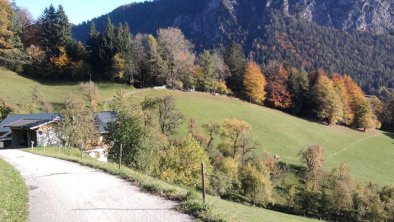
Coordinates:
column 26, row 121
column 33, row 121
column 103, row 119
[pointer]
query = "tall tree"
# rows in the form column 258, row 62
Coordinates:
column 278, row 94
column 257, row 185
column 327, row 105
column 363, row 116
column 206, row 80
column 5, row 25
column 388, row 123
column 156, row 65
column 236, row 63
column 299, row 89
column 254, row 83
column 177, row 52
column 314, row 157
column 340, row 87
column 78, row 127
column 54, row 31
column 94, row 52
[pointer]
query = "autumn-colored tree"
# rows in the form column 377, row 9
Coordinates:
column 176, row 51
column 254, row 83
column 340, row 87
column 78, row 127
column 367, row 204
column 237, row 141
column 91, row 93
column 256, row 184
column 342, row 186
column 278, row 94
column 225, row 177
column 363, row 116
column 314, row 157
column 157, row 67
column 118, row 67
column 387, row 197
column 327, row 105
column 5, row 29
column 60, row 62
column 182, row 164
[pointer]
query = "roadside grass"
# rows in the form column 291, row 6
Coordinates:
column 18, row 89
column 216, row 209
column 13, row 195
column 369, row 155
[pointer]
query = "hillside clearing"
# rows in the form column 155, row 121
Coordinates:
column 18, row 89
column 369, row 154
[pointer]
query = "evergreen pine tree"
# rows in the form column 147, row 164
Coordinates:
column 235, row 60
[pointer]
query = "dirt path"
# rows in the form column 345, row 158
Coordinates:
column 64, row 191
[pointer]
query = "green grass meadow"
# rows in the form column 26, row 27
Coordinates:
column 18, row 89
column 370, row 155
column 13, row 195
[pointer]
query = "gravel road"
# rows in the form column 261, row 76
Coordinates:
column 64, row 191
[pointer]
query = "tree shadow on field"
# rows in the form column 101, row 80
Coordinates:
column 391, row 135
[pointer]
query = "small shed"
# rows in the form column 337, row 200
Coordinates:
column 23, row 129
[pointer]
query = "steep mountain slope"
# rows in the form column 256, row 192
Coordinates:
column 339, row 35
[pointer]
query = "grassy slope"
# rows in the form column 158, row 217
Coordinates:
column 13, row 194
column 370, row 155
column 18, row 89
column 227, row 210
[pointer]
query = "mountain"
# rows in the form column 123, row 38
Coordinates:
column 345, row 36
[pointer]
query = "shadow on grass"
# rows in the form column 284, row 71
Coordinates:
column 391, row 135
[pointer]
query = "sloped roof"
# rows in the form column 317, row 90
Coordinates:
column 31, row 121
column 26, row 120
column 103, row 119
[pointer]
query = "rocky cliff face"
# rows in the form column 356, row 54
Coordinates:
column 210, row 19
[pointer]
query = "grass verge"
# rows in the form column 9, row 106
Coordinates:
column 13, row 194
column 216, row 209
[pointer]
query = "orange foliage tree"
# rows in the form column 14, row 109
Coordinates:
column 278, row 95
column 363, row 116
column 340, row 87
column 254, row 83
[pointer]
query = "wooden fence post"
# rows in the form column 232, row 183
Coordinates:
column 120, row 155
column 203, row 180
column 81, row 151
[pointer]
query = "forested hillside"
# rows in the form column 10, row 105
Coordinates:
column 281, row 30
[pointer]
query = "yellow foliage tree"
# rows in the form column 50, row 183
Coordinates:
column 182, row 164
column 236, row 136
column 254, row 83
column 340, row 87
column 61, row 61
column 257, row 185
column 5, row 32
column 118, row 67
column 363, row 116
